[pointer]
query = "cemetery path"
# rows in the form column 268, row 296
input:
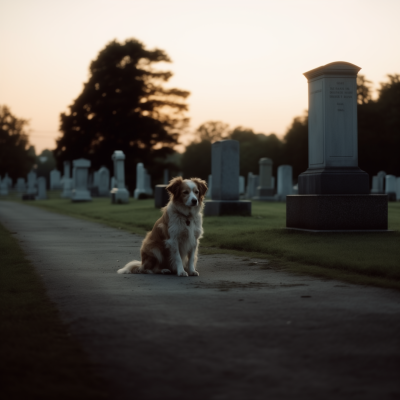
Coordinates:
column 236, row 332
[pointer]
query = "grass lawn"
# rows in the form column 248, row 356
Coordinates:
column 38, row 358
column 369, row 257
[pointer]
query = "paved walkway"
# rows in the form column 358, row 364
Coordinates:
column 235, row 332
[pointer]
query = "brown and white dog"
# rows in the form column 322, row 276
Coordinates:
column 173, row 243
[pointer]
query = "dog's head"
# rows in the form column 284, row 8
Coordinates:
column 189, row 192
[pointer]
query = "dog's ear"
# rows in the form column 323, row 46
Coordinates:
column 174, row 186
column 202, row 186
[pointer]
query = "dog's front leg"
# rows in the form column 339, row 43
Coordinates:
column 192, row 261
column 176, row 258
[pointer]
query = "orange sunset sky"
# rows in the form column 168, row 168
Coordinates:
column 242, row 61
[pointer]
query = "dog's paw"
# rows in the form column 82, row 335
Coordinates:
column 165, row 271
column 182, row 273
column 194, row 273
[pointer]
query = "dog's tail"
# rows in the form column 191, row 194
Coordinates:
column 133, row 267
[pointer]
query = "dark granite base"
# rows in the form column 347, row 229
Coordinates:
column 334, row 181
column 227, row 207
column 161, row 196
column 337, row 212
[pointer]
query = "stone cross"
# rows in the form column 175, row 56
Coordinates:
column 80, row 191
column 119, row 194
column 102, row 176
column 285, row 181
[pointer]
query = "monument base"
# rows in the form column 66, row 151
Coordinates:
column 119, row 196
column 81, row 195
column 334, row 212
column 227, row 207
column 161, row 196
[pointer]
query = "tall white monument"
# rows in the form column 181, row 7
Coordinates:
column 119, row 194
column 334, row 191
column 80, row 191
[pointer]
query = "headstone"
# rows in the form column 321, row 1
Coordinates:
column 42, row 195
column 375, row 185
column 285, row 182
column 147, row 184
column 81, row 191
column 119, row 194
column 31, row 183
column 103, row 181
column 398, row 188
column 140, row 180
column 166, row 176
column 381, row 181
column 266, row 187
column 96, row 181
column 55, row 178
column 252, row 185
column 241, row 185
column 9, row 182
column 225, row 160
column 390, row 187
column 20, row 185
column 334, row 192
column 67, row 181
column 209, row 185
column 161, row 196
column 3, row 187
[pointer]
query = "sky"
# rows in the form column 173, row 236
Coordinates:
column 242, row 61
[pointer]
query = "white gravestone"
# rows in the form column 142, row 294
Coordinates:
column 375, row 184
column 81, row 191
column 67, row 181
column 119, row 194
column 31, row 183
column 102, row 181
column 252, row 185
column 225, row 159
column 20, row 185
column 3, row 187
column 285, row 181
column 334, row 193
column 55, row 180
column 390, row 187
column 266, row 185
column 381, row 181
column 42, row 195
column 140, row 180
column 398, row 188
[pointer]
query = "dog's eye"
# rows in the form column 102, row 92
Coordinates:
column 196, row 192
column 185, row 192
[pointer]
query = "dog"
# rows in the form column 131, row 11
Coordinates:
column 172, row 245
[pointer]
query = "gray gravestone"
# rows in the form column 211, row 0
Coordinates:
column 209, row 185
column 381, row 181
column 41, row 182
column 55, row 178
column 67, row 181
column 31, row 190
column 375, row 188
column 9, row 181
column 119, row 194
column 398, row 188
column 266, row 186
column 390, row 187
column 81, row 170
column 3, row 187
column 140, row 180
column 161, row 196
column 21, row 185
column 252, row 185
column 225, row 181
column 285, row 181
column 334, row 192
column 102, row 179
column 147, row 184
column 241, row 185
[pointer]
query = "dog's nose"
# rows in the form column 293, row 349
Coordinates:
column 194, row 202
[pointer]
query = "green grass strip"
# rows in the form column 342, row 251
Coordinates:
column 38, row 357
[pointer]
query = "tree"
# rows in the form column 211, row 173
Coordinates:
column 196, row 160
column 124, row 106
column 363, row 90
column 212, row 131
column 16, row 156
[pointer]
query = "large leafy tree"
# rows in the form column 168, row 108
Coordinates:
column 16, row 155
column 124, row 106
